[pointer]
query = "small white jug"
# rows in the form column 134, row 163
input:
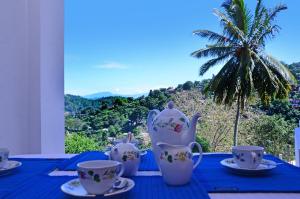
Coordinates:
column 176, row 162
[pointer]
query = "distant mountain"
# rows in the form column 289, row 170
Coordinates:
column 74, row 104
column 110, row 94
column 99, row 95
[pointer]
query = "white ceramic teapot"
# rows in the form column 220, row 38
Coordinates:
column 170, row 126
column 128, row 154
column 176, row 162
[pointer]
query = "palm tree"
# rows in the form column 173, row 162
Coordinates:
column 241, row 47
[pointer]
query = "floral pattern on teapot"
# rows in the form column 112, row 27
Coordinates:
column 179, row 156
column 130, row 155
column 171, row 124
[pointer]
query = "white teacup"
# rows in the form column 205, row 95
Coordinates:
column 248, row 157
column 98, row 176
column 3, row 157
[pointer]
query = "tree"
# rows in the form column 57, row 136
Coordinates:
column 247, row 67
column 273, row 133
column 188, row 85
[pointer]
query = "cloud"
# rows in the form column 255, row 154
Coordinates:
column 111, row 65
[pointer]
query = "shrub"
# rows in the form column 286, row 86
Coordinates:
column 204, row 143
column 79, row 142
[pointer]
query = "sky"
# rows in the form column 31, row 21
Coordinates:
column 132, row 46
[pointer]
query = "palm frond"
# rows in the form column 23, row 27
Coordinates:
column 265, row 27
column 273, row 12
column 267, row 33
column 266, row 80
column 213, row 51
column 225, row 84
column 232, row 30
column 259, row 11
column 211, row 63
column 280, row 69
column 240, row 15
column 212, row 36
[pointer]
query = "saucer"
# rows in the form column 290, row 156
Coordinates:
column 74, row 188
column 10, row 166
column 263, row 168
column 142, row 153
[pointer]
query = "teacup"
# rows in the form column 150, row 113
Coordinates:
column 98, row 176
column 3, row 157
column 248, row 157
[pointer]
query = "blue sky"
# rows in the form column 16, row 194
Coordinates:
column 131, row 46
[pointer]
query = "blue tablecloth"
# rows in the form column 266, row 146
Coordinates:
column 23, row 174
column 71, row 164
column 215, row 178
column 31, row 181
column 147, row 161
column 145, row 188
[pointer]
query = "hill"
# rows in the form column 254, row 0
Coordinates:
column 110, row 94
column 295, row 69
column 100, row 121
column 75, row 104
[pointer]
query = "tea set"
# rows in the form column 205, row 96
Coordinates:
column 173, row 140
column 7, row 166
column 172, row 137
column 248, row 160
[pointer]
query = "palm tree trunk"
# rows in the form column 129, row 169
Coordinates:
column 236, row 124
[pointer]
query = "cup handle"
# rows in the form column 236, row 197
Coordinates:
column 121, row 169
column 191, row 145
column 253, row 155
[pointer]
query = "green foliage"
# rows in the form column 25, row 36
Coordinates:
column 285, row 109
column 273, row 133
column 79, row 142
column 110, row 117
column 75, row 104
column 295, row 69
column 188, row 85
column 204, row 143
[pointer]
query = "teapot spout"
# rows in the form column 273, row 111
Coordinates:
column 192, row 130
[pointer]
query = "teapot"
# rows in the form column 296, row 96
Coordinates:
column 170, row 126
column 128, row 154
column 176, row 162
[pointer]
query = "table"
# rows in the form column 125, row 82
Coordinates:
column 212, row 195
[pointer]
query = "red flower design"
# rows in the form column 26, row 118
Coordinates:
column 178, row 128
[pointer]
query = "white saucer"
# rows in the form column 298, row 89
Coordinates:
column 265, row 167
column 10, row 166
column 142, row 153
column 74, row 188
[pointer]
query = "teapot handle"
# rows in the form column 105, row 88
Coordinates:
column 150, row 117
column 191, row 145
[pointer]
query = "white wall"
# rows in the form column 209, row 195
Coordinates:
column 31, row 76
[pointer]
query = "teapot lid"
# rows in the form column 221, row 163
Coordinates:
column 170, row 111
